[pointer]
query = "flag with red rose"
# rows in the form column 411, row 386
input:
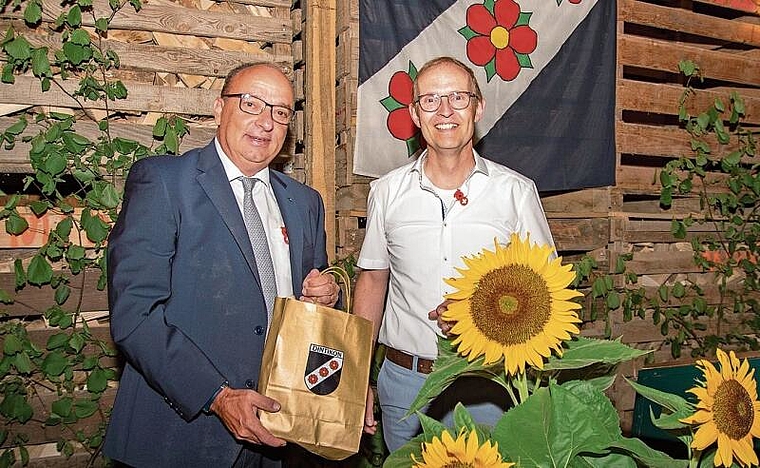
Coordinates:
column 546, row 69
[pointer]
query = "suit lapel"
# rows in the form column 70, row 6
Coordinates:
column 291, row 216
column 213, row 180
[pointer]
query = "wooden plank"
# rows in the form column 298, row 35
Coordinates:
column 667, row 142
column 664, row 56
column 580, row 201
column 750, row 6
column 663, row 262
column 580, row 234
column 175, row 19
column 348, row 53
column 320, row 107
column 678, row 20
column 206, row 62
column 33, row 300
column 345, row 104
column 663, row 99
column 637, row 179
column 17, row 159
column 142, row 97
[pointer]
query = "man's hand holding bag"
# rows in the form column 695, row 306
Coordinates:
column 316, row 363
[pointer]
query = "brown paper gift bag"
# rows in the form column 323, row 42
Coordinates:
column 316, row 363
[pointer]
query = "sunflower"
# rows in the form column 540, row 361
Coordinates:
column 464, row 452
column 513, row 303
column 727, row 411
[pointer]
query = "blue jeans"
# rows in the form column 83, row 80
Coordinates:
column 397, row 388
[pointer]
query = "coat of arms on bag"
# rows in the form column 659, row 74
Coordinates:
column 323, row 368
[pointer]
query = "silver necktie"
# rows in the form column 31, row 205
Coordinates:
column 257, row 234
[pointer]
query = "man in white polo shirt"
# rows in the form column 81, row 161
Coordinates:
column 422, row 218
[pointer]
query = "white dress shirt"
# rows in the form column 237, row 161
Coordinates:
column 421, row 233
column 269, row 210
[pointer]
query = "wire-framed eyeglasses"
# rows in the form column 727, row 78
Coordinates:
column 251, row 104
column 458, row 100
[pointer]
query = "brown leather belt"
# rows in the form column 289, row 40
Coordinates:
column 424, row 366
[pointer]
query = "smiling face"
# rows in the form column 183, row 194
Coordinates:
column 446, row 130
column 252, row 141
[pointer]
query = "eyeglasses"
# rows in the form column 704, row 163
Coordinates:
column 253, row 105
column 458, row 100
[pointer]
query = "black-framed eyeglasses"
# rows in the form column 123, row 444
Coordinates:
column 251, row 104
column 458, row 100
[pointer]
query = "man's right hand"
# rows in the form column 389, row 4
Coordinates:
column 238, row 409
column 370, row 425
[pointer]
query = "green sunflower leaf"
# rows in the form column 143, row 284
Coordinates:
column 582, row 352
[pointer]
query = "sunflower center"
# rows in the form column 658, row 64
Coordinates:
column 733, row 411
column 511, row 304
column 500, row 37
column 508, row 304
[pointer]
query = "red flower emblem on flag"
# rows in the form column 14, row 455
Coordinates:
column 499, row 38
column 399, row 122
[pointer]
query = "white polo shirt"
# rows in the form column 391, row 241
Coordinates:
column 421, row 233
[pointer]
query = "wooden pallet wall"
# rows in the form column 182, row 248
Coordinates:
column 174, row 57
column 723, row 38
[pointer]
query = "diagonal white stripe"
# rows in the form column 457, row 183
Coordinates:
column 377, row 152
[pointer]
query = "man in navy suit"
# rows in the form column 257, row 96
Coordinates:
column 187, row 305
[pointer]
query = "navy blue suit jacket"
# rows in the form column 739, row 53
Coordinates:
column 186, row 306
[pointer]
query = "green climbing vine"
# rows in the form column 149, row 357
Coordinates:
column 77, row 178
column 723, row 174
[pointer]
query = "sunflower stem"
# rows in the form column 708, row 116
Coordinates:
column 521, row 379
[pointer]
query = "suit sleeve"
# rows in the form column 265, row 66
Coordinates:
column 140, row 252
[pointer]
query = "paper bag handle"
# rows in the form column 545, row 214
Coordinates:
column 343, row 275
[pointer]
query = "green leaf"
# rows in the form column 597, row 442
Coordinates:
column 18, row 127
column 15, row 224
column 613, row 300
column 54, row 363
column 109, row 197
column 490, row 69
column 19, row 49
column 39, row 272
column 679, row 290
column 76, row 53
column 76, row 342
column 55, row 164
column 645, row 455
column 20, row 275
column 85, row 408
column 564, row 426
column 97, row 381
column 39, row 207
column 40, row 63
column 171, row 141
column 62, row 407
column 62, row 293
column 96, row 228
column 63, row 228
column 101, row 25
column 12, row 345
column 582, row 352
column 447, row 367
column 5, row 297
column 74, row 19
column 33, row 13
column 59, row 340
column 15, row 407
column 674, row 403
column 89, row 362
column 22, row 363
